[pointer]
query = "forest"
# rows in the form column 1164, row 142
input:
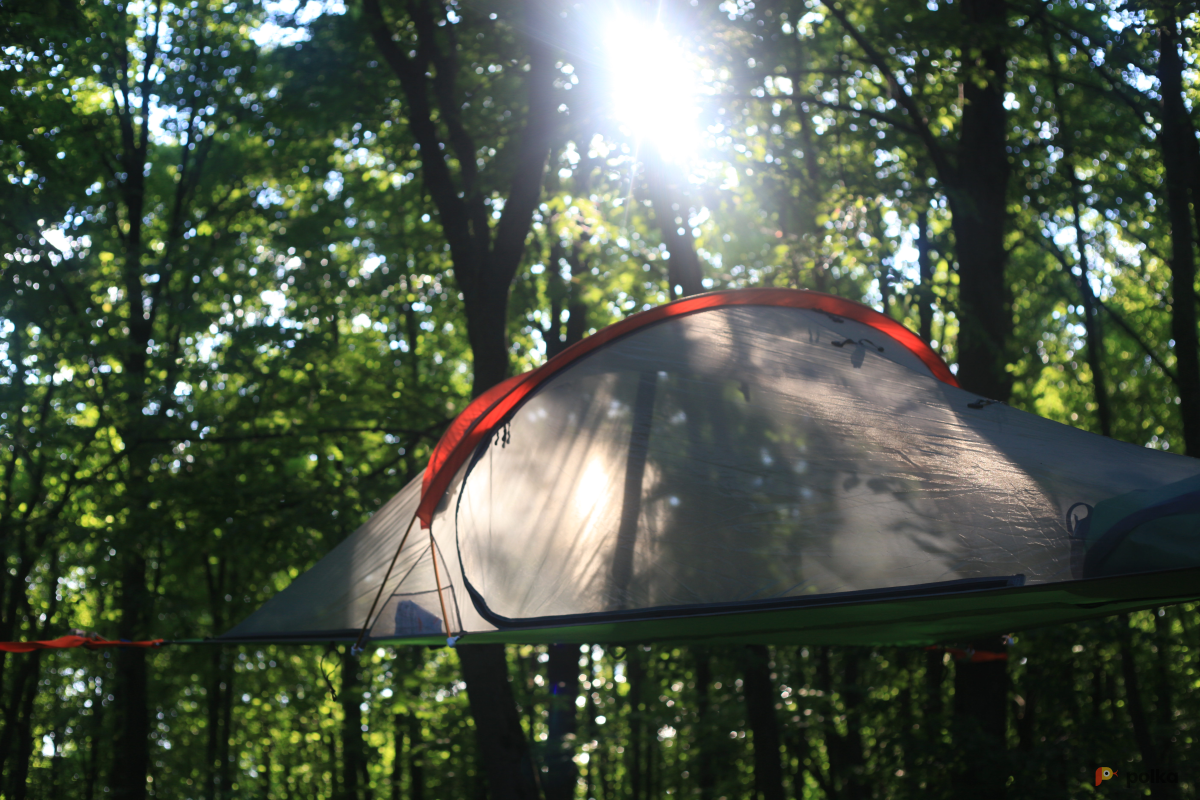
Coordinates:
column 258, row 255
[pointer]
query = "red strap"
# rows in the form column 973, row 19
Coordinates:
column 462, row 425
column 972, row 656
column 63, row 642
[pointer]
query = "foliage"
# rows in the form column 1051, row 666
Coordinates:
column 234, row 321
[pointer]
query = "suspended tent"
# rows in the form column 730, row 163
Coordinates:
column 752, row 466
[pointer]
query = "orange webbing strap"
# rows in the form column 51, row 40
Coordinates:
column 357, row 648
column 65, row 642
column 971, row 655
column 438, row 580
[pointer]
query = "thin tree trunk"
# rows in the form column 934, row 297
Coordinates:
column 883, row 255
column 907, row 721
column 1091, row 319
column 22, row 722
column 131, row 712
column 397, row 779
column 671, row 215
column 596, row 759
column 706, row 771
column 266, row 773
column 635, row 670
column 95, row 737
column 845, row 752
column 213, row 727
column 759, row 690
column 335, row 783
column 925, row 267
column 416, row 770
column 562, row 672
column 352, row 738
column 935, row 678
column 224, row 755
column 1138, row 718
column 59, row 739
column 1164, row 704
column 854, row 695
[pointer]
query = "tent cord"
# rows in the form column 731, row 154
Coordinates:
column 438, row 580
column 362, row 635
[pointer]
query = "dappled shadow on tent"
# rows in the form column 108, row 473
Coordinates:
column 787, row 454
column 1076, row 471
column 758, row 473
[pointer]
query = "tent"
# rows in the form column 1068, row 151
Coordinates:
column 767, row 466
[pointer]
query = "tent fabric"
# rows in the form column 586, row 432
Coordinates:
column 488, row 410
column 460, row 427
column 766, row 466
column 1144, row 530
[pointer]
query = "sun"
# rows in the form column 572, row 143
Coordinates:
column 655, row 88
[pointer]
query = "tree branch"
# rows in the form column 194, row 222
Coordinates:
column 899, row 92
column 530, row 168
column 437, row 176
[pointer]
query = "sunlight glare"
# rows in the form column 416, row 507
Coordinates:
column 654, row 88
column 592, row 488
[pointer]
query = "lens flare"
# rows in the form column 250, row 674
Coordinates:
column 655, row 87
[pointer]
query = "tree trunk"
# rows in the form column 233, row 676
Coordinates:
column 1164, row 704
column 416, row 771
column 487, row 331
column 925, row 290
column 485, row 262
column 636, row 674
column 224, row 756
column 396, row 784
column 671, row 215
column 563, row 677
column 213, row 727
column 760, row 695
column 1138, row 718
column 706, row 771
column 266, row 773
column 1091, row 319
column 352, row 738
column 853, row 697
column 95, row 735
column 978, row 201
column 130, row 708
column 563, row 667
column 501, row 741
column 20, row 722
column 981, row 724
column 1177, row 143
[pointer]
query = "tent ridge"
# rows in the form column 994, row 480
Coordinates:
column 490, row 408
